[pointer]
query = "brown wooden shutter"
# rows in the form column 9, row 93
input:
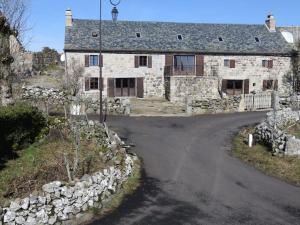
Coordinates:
column 224, row 86
column 101, row 60
column 276, row 85
column 136, row 61
column 169, row 65
column 265, row 83
column 101, row 84
column 111, row 87
column 199, row 65
column 232, row 63
column 140, row 87
column 87, row 60
column 87, row 84
column 270, row 64
column 149, row 61
column 246, row 86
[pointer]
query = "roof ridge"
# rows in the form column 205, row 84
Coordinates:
column 171, row 22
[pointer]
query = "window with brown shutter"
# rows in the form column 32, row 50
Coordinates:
column 267, row 64
column 136, row 61
column 87, row 84
column 276, row 85
column 87, row 60
column 270, row 64
column 149, row 61
column 246, row 86
column 169, row 65
column 232, row 63
column 140, row 87
column 270, row 85
column 111, row 87
column 199, row 65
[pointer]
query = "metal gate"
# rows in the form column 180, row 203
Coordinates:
column 258, row 101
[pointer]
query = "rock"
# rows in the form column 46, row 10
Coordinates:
column 14, row 206
column 51, row 187
column 24, row 203
column 20, row 220
column 31, row 221
column 33, row 199
column 42, row 200
column 52, row 220
column 9, row 216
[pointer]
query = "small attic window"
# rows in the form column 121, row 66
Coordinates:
column 138, row 35
column 94, row 34
column 257, row 39
column 179, row 37
column 220, row 39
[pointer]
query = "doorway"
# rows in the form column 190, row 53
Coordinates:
column 125, row 87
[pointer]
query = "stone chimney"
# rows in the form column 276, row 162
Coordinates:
column 69, row 18
column 271, row 23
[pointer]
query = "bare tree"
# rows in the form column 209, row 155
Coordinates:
column 12, row 23
column 16, row 13
column 73, row 75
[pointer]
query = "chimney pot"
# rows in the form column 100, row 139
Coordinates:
column 69, row 18
column 271, row 23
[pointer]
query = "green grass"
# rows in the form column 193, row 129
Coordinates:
column 43, row 163
column 295, row 130
column 286, row 168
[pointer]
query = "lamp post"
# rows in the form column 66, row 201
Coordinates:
column 114, row 14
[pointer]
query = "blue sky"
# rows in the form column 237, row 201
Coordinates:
column 47, row 18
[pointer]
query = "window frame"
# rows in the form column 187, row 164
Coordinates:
column 267, row 63
column 187, row 69
column 143, row 63
column 94, row 83
column 92, row 60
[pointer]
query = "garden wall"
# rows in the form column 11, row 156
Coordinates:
column 220, row 105
column 68, row 203
column 275, row 136
column 48, row 97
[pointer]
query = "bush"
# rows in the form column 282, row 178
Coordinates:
column 20, row 124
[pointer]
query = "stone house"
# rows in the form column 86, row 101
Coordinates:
column 178, row 60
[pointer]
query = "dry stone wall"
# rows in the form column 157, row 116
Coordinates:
column 220, row 105
column 271, row 132
column 115, row 106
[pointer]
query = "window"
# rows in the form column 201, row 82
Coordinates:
column 179, row 37
column 270, row 85
column 234, row 87
column 94, row 83
column 257, row 39
column 143, row 60
column 267, row 64
column 94, row 34
column 138, row 35
column 184, row 65
column 220, row 39
column 94, row 60
column 230, row 63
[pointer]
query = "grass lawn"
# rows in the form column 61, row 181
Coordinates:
column 286, row 168
column 295, row 130
column 42, row 163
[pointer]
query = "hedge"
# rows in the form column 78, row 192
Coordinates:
column 20, row 124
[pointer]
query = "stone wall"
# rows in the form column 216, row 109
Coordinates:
column 271, row 132
column 220, row 105
column 183, row 87
column 115, row 106
column 67, row 203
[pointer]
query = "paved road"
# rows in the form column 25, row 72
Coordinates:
column 191, row 178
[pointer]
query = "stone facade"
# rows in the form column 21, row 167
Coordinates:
column 250, row 67
column 176, row 88
column 123, row 66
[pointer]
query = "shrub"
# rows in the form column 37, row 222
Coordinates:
column 19, row 125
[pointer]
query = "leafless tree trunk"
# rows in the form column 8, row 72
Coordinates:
column 74, row 72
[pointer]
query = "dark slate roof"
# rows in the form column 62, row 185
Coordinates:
column 162, row 37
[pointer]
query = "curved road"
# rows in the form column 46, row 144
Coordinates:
column 191, row 178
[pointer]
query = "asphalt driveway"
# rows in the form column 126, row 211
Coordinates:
column 190, row 176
